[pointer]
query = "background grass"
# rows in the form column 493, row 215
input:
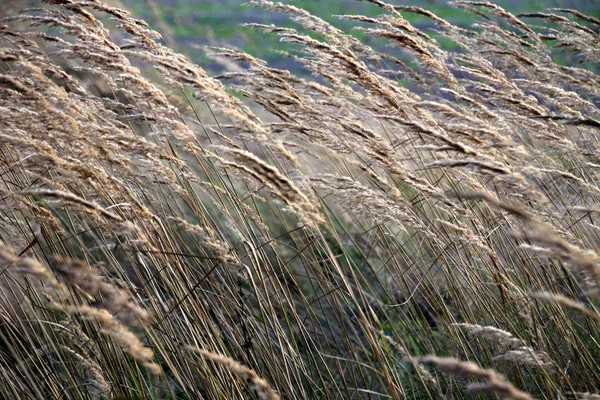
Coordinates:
column 188, row 25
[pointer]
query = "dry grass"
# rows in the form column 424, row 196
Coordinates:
column 401, row 225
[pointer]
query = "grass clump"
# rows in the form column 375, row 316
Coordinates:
column 418, row 223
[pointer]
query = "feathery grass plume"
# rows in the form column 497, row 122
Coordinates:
column 587, row 260
column 579, row 15
column 71, row 198
column 568, row 303
column 88, row 280
column 113, row 329
column 527, row 356
column 496, row 335
column 261, row 386
column 97, row 387
column 499, row 12
column 26, row 265
column 571, row 36
column 495, row 383
column 587, row 396
column 281, row 186
column 388, row 28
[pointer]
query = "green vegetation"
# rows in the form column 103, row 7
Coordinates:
column 218, row 23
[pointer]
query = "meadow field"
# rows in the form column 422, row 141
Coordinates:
column 409, row 212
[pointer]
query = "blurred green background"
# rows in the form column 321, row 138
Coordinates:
column 191, row 25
